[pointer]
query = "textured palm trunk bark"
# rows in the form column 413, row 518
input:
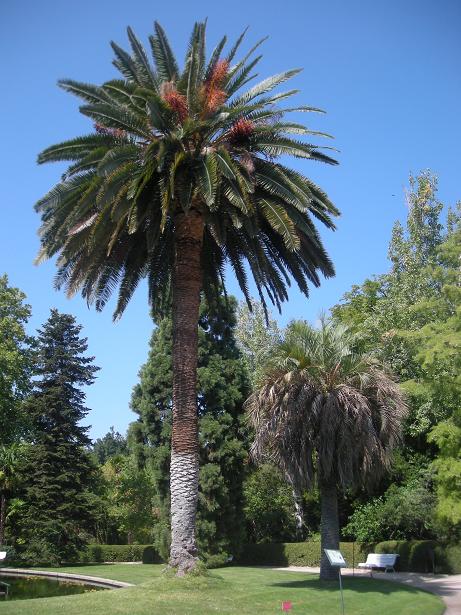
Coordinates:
column 2, row 517
column 329, row 529
column 184, row 469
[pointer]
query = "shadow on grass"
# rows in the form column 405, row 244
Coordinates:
column 363, row 586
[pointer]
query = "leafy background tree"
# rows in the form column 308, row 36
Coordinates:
column 128, row 498
column 223, row 386
column 409, row 318
column 257, row 334
column 59, row 469
column 15, row 361
column 269, row 506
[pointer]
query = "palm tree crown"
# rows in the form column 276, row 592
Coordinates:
column 165, row 141
column 325, row 411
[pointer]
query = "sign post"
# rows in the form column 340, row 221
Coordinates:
column 337, row 560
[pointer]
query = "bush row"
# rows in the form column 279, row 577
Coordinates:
column 120, row 553
column 423, row 555
column 297, row 553
column 414, row 556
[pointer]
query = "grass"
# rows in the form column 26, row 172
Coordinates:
column 229, row 591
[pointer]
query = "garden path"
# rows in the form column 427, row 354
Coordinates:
column 447, row 586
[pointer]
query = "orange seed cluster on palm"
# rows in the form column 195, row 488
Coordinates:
column 213, row 94
column 176, row 101
column 240, row 131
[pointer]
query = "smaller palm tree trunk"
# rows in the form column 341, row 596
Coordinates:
column 187, row 284
column 329, row 529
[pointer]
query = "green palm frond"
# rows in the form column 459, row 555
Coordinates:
column 236, row 45
column 245, row 59
column 265, row 86
column 242, row 77
column 195, row 65
column 144, row 69
column 75, row 149
column 87, row 91
column 119, row 118
column 215, row 56
column 281, row 222
column 207, row 179
column 165, row 61
column 125, row 64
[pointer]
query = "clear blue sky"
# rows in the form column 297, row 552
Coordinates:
column 387, row 72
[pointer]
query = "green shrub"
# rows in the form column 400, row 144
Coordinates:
column 298, row 553
column 120, row 553
column 217, row 561
column 422, row 556
column 414, row 555
column 39, row 552
column 401, row 547
column 448, row 559
column 150, row 556
column 419, row 555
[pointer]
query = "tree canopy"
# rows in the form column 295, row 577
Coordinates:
column 15, row 361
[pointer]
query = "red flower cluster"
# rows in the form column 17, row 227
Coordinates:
column 213, row 94
column 241, row 131
column 220, row 71
column 114, row 132
column 176, row 101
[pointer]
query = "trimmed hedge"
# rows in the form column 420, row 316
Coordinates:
column 121, row 553
column 298, row 553
column 414, row 555
column 448, row 559
column 424, row 555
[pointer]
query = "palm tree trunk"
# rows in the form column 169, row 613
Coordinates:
column 187, row 284
column 329, row 528
column 2, row 518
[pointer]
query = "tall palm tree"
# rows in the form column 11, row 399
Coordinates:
column 325, row 412
column 181, row 175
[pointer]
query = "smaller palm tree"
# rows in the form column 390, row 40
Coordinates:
column 325, row 412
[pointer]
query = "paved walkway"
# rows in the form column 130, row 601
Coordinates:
column 448, row 587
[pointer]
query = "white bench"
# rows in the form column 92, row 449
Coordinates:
column 380, row 560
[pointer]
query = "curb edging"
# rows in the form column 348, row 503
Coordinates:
column 69, row 576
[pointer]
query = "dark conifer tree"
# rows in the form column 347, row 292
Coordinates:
column 110, row 445
column 59, row 468
column 223, row 386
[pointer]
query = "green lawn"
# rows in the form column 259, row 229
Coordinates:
column 231, row 591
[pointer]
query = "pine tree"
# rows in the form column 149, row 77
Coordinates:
column 59, row 468
column 223, row 386
column 110, row 445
